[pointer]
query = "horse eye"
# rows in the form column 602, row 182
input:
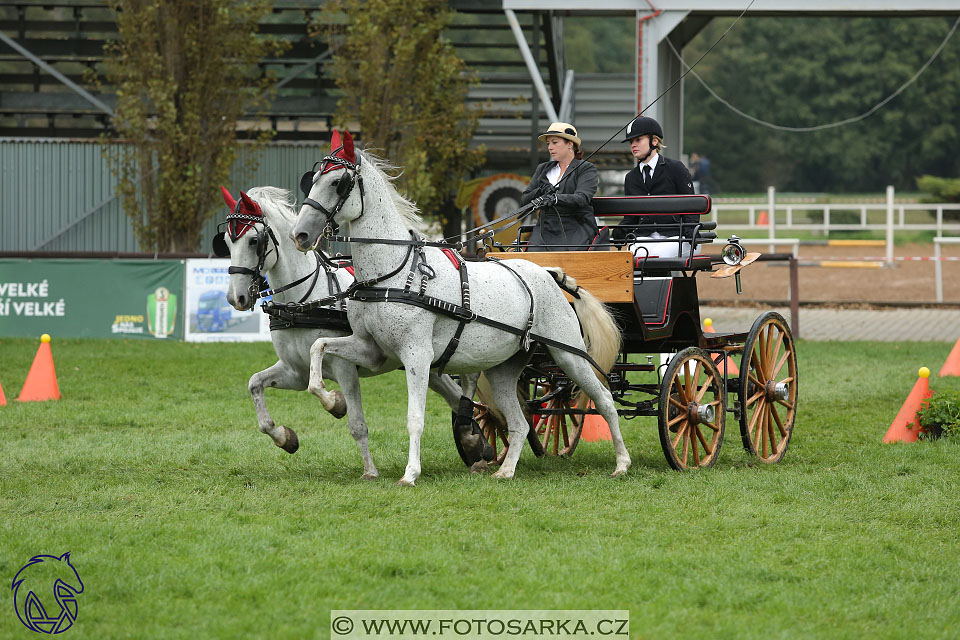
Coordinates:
column 252, row 242
column 336, row 183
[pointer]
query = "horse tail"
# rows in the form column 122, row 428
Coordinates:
column 601, row 334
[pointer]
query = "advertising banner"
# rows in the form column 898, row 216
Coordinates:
column 81, row 298
column 209, row 317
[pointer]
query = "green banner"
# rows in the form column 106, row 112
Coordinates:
column 92, row 298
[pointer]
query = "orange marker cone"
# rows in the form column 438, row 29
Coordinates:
column 3, row 398
column 952, row 366
column 41, row 381
column 763, row 220
column 900, row 430
column 595, row 428
column 732, row 368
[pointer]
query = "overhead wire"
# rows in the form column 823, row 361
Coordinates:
column 829, row 125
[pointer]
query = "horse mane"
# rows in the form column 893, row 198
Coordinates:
column 280, row 200
column 406, row 208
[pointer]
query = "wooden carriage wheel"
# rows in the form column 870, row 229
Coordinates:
column 493, row 430
column 559, row 433
column 691, row 411
column 768, row 388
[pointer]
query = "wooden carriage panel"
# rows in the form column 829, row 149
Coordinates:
column 608, row 275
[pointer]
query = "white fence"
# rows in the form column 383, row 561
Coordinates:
column 888, row 217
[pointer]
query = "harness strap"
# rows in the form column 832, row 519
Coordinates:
column 284, row 317
column 458, row 312
column 465, row 303
column 525, row 336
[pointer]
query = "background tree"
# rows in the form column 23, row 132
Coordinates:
column 185, row 71
column 405, row 88
column 810, row 71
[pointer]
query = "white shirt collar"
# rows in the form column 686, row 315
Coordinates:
column 651, row 161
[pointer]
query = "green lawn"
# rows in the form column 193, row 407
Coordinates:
column 184, row 521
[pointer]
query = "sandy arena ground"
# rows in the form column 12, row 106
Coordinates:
column 907, row 282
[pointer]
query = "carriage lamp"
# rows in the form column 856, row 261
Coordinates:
column 733, row 253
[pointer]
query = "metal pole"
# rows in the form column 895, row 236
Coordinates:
column 56, row 74
column 938, row 270
column 890, row 225
column 771, row 204
column 534, row 102
column 794, row 298
column 528, row 58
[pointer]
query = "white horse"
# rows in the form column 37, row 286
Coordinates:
column 256, row 243
column 353, row 187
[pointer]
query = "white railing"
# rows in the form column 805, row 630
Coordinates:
column 938, row 264
column 888, row 217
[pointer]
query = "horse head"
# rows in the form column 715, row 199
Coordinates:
column 246, row 241
column 330, row 196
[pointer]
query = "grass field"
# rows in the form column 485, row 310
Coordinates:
column 184, row 521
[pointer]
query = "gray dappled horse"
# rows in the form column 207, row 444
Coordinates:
column 256, row 240
column 398, row 323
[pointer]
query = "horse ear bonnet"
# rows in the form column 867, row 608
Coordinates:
column 306, row 182
column 220, row 248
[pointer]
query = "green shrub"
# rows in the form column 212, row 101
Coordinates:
column 941, row 415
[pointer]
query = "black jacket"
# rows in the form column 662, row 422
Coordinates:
column 570, row 223
column 669, row 178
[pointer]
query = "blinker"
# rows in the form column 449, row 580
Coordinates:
column 220, row 248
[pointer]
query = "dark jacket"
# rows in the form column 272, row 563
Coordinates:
column 668, row 179
column 570, row 223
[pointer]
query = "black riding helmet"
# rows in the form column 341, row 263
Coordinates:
column 641, row 126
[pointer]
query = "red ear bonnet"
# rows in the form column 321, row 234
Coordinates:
column 341, row 147
column 245, row 207
column 231, row 203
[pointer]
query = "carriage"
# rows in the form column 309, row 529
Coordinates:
column 656, row 303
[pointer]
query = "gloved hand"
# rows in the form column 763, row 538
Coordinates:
column 544, row 201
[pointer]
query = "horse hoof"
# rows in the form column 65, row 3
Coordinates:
column 618, row 472
column 500, row 475
column 369, row 476
column 403, row 482
column 339, row 405
column 291, row 442
column 480, row 467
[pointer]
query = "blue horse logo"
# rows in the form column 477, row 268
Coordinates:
column 38, row 577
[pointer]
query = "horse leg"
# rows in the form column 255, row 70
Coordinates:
column 503, row 383
column 355, row 349
column 345, row 374
column 581, row 372
column 447, row 389
column 279, row 376
column 418, row 375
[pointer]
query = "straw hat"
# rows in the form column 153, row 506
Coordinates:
column 563, row 130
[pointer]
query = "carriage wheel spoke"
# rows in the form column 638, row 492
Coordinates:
column 696, row 375
column 755, row 422
column 774, row 349
column 696, row 449
column 757, row 365
column 780, row 363
column 678, row 404
column 686, row 444
column 774, row 447
column 703, row 441
column 680, row 431
column 763, row 426
column 558, row 425
column 752, row 399
column 680, row 390
column 788, row 405
column 680, row 417
column 706, row 385
column 783, row 430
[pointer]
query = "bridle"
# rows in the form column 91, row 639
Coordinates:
column 258, row 287
column 344, row 189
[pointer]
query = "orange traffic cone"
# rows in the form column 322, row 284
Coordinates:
column 952, row 366
column 41, row 381
column 595, row 428
column 732, row 368
column 900, row 430
column 3, row 398
column 763, row 220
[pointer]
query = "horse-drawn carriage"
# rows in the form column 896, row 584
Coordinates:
column 417, row 304
column 656, row 303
